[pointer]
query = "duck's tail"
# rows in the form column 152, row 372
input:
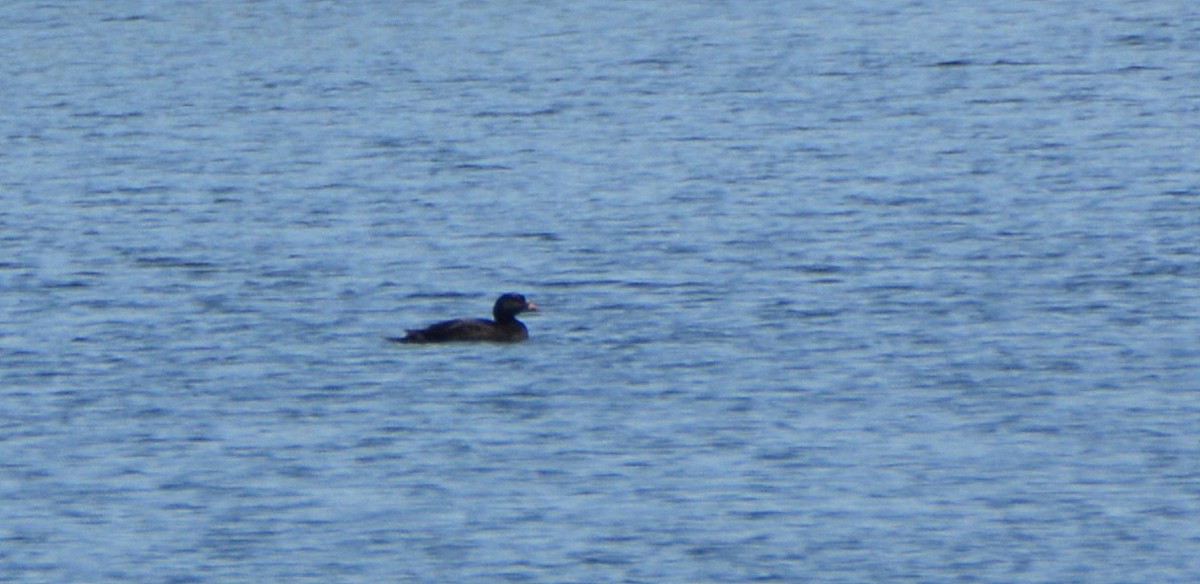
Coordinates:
column 410, row 337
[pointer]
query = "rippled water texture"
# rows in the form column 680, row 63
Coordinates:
column 830, row 291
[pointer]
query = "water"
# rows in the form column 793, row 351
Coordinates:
column 831, row 292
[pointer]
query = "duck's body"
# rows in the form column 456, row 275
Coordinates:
column 504, row 329
column 468, row 329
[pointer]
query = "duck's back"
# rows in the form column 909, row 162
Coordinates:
column 468, row 329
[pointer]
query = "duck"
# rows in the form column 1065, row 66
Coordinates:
column 505, row 328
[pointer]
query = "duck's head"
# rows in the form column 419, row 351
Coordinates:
column 510, row 305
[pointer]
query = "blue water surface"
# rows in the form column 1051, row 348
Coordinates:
column 830, row 291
